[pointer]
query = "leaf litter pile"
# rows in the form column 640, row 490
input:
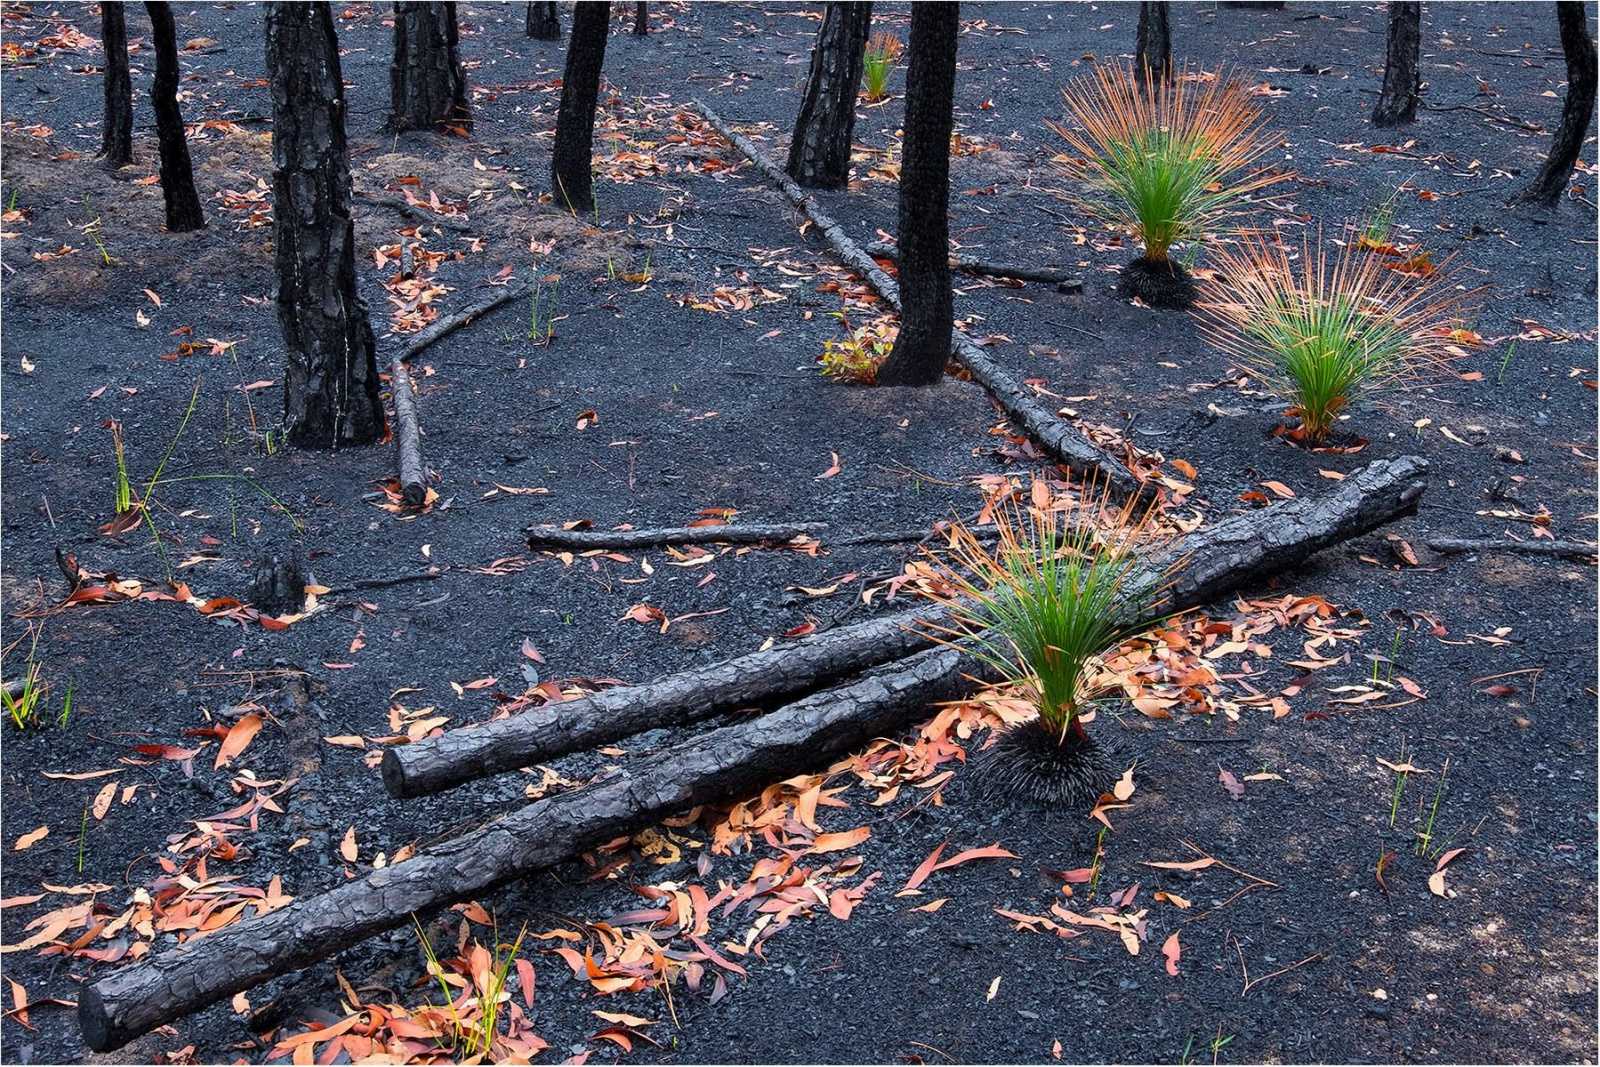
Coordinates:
column 1258, row 779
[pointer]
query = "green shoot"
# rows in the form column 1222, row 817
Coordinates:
column 1400, row 778
column 542, row 315
column 1098, row 864
column 878, row 62
column 66, row 708
column 83, row 837
column 1425, row 838
column 1500, row 378
column 123, row 492
column 23, row 707
column 1219, row 1043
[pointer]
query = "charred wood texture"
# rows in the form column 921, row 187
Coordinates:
column 926, row 302
column 752, row 680
column 588, row 540
column 1056, row 437
column 427, row 87
column 1551, row 182
column 978, row 265
column 1573, row 550
column 279, row 584
column 1402, row 82
column 412, row 474
column 543, row 22
column 819, row 151
column 116, row 139
column 330, row 393
column 641, row 19
column 716, row 766
column 1154, row 44
column 177, row 173
column 571, row 160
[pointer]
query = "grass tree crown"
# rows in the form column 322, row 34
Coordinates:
column 1065, row 583
column 1166, row 160
column 1320, row 328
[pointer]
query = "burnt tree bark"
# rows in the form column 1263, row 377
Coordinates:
column 571, row 160
column 1154, row 58
column 819, row 151
column 543, row 22
column 116, row 140
column 426, row 84
column 1402, row 80
column 177, row 173
column 330, row 387
column 927, row 305
column 641, row 19
column 1551, row 182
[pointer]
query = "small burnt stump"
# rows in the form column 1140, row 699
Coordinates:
column 279, row 586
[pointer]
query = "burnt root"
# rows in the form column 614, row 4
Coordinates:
column 1161, row 285
column 1031, row 762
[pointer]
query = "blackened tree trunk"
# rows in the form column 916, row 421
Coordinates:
column 1551, row 182
column 543, row 22
column 641, row 19
column 819, row 151
column 1397, row 103
column 571, row 161
column 1155, row 42
column 330, row 394
column 427, row 87
column 116, row 141
column 177, row 173
column 926, row 304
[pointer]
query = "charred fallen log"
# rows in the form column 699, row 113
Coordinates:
column 715, row 766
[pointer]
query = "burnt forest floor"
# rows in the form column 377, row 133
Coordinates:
column 689, row 313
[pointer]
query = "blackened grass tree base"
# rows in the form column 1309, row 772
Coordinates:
column 1029, row 761
column 1163, row 284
